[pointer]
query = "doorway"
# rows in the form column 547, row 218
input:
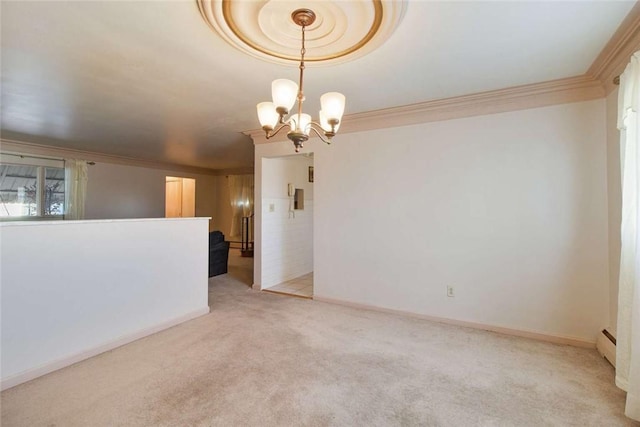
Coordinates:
column 180, row 197
column 287, row 225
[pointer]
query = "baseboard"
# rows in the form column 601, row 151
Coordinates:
column 606, row 345
column 31, row 374
column 556, row 339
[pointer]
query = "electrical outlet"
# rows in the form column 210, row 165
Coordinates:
column 272, row 207
column 450, row 291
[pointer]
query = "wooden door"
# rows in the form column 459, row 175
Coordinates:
column 173, row 198
column 188, row 197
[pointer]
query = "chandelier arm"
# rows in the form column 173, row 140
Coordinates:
column 271, row 135
column 322, row 137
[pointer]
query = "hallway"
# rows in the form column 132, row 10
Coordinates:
column 241, row 270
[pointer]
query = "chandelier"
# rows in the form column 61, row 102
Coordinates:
column 272, row 115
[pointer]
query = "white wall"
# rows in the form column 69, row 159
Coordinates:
column 614, row 191
column 72, row 289
column 120, row 191
column 510, row 209
column 287, row 237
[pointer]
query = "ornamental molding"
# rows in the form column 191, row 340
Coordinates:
column 342, row 31
column 617, row 52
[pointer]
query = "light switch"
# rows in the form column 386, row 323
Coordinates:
column 272, row 207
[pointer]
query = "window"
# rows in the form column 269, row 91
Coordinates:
column 31, row 187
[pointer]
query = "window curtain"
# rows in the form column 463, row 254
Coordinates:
column 75, row 183
column 241, row 192
column 628, row 328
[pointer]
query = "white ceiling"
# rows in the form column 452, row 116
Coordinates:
column 151, row 80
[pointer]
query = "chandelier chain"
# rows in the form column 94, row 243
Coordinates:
column 303, row 50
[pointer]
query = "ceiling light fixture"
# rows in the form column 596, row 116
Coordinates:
column 285, row 93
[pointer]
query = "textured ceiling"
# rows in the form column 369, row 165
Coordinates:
column 152, row 80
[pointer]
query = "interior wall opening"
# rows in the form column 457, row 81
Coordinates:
column 287, row 225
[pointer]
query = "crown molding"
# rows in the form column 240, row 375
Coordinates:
column 615, row 56
column 257, row 135
column 562, row 91
column 21, row 147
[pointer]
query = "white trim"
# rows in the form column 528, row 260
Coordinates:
column 540, row 336
column 31, row 374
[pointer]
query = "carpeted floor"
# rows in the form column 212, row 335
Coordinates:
column 262, row 359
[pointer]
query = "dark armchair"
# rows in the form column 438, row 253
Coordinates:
column 218, row 253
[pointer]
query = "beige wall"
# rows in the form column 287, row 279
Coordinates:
column 223, row 213
column 510, row 209
column 119, row 191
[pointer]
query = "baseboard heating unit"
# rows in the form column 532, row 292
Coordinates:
column 606, row 345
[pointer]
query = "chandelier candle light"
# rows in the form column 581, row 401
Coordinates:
column 285, row 93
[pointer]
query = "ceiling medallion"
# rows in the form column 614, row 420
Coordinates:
column 341, row 31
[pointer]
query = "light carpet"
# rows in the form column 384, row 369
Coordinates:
column 261, row 359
